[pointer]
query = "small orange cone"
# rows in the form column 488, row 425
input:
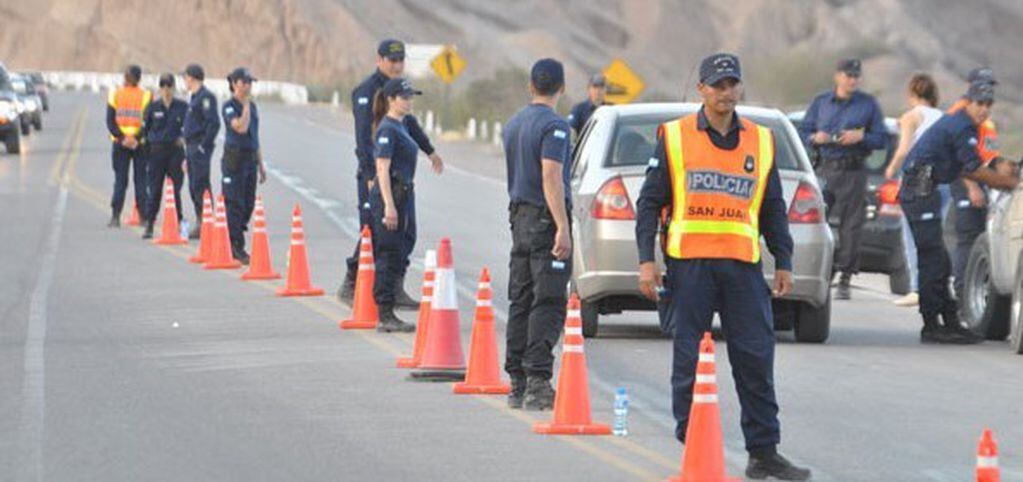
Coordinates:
column 484, row 373
column 704, row 455
column 205, row 232
column 572, row 399
column 987, row 459
column 298, row 283
column 134, row 219
column 423, row 320
column 259, row 263
column 443, row 359
column 220, row 251
column 364, row 309
column 170, row 232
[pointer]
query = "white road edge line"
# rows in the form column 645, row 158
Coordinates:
column 33, row 402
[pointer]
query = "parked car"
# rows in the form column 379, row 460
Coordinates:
column 10, row 117
column 881, row 248
column 608, row 169
column 42, row 88
column 26, row 91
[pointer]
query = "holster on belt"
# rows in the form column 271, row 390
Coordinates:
column 400, row 189
column 919, row 181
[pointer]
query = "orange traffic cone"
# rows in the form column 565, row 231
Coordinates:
column 364, row 309
column 572, row 399
column 298, row 283
column 443, row 359
column 484, row 373
column 423, row 320
column 259, row 263
column 987, row 459
column 170, row 232
column 134, row 219
column 704, row 455
column 205, row 232
column 220, row 251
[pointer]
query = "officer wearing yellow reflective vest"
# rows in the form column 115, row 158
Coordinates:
column 714, row 174
column 124, row 122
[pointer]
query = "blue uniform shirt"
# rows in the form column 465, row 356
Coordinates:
column 162, row 124
column 949, row 147
column 656, row 193
column 202, row 122
column 248, row 141
column 827, row 113
column 394, row 142
column 580, row 114
column 534, row 133
column 362, row 109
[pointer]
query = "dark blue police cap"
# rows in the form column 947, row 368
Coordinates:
column 982, row 74
column 399, row 87
column 718, row 67
column 241, row 73
column 391, row 49
column 195, row 71
column 547, row 75
column 851, row 67
column 981, row 91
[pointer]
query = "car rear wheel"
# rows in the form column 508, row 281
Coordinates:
column 813, row 323
column 983, row 309
column 26, row 127
column 1016, row 311
column 13, row 142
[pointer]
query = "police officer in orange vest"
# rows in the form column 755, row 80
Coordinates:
column 124, row 121
column 715, row 174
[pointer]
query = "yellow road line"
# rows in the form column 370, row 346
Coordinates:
column 65, row 147
column 96, row 199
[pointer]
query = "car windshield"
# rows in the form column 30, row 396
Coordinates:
column 20, row 86
column 636, row 138
column 879, row 158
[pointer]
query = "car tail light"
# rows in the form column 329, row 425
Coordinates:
column 612, row 201
column 807, row 206
column 888, row 199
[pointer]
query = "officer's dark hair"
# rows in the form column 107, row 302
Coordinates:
column 133, row 74
column 923, row 86
column 381, row 104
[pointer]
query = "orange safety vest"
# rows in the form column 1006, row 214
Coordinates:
column 987, row 142
column 716, row 194
column 129, row 104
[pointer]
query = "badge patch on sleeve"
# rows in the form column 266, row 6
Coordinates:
column 653, row 162
column 384, row 140
column 229, row 110
column 205, row 104
column 560, row 134
column 973, row 141
column 363, row 101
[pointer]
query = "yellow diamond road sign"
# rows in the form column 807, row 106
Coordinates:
column 448, row 64
column 623, row 85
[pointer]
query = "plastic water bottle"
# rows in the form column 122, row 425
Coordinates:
column 621, row 425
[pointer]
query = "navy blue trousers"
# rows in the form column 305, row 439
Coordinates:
column 198, row 175
column 123, row 159
column 738, row 293
column 238, row 182
column 163, row 161
column 391, row 249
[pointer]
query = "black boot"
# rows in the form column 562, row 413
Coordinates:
column 402, row 300
column 238, row 251
column 196, row 231
column 148, row 233
column 539, row 394
column 773, row 465
column 955, row 334
column 115, row 220
column 390, row 323
column 932, row 331
column 518, row 391
column 346, row 292
column 842, row 292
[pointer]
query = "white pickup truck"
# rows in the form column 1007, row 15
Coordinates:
column 992, row 303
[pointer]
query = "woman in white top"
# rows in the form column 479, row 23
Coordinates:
column 922, row 113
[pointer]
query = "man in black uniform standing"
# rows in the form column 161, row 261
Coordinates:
column 582, row 111
column 390, row 65
column 202, row 123
column 536, row 146
column 162, row 125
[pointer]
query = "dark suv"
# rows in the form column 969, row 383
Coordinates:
column 10, row 118
column 881, row 246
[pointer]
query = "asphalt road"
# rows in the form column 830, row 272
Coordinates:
column 121, row 361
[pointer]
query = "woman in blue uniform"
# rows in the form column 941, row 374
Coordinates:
column 392, row 198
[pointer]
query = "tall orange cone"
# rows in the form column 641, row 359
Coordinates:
column 220, row 251
column 423, row 320
column 298, row 283
column 364, row 308
column 572, row 399
column 987, row 459
column 259, row 263
column 484, row 373
column 443, row 359
column 170, row 232
column 205, row 231
column 704, row 455
column 134, row 219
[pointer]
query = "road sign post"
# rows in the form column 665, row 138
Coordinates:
column 448, row 65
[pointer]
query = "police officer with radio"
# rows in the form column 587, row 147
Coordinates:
column 945, row 153
column 202, row 123
column 243, row 159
